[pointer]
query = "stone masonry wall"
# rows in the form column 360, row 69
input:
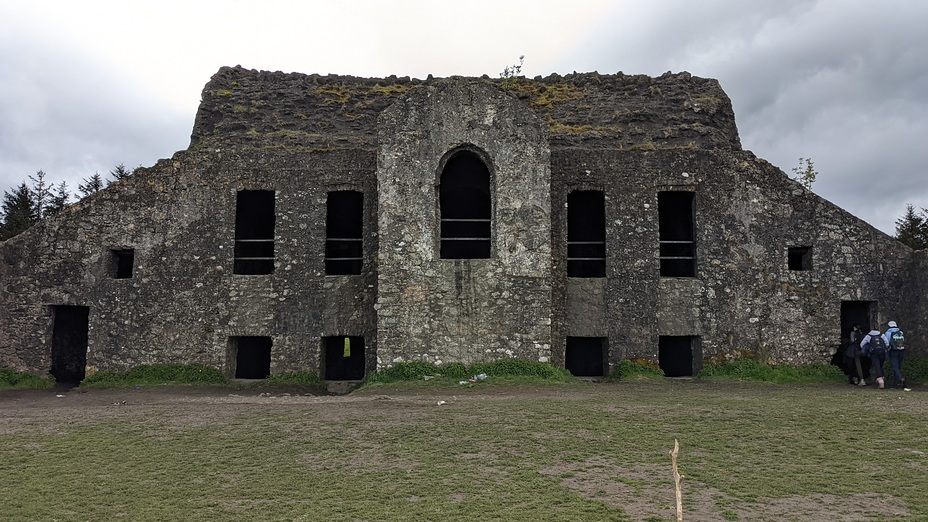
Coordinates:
column 466, row 310
column 306, row 135
column 744, row 300
column 183, row 302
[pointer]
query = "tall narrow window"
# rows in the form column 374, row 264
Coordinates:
column 677, row 234
column 586, row 234
column 254, row 232
column 344, row 225
column 464, row 200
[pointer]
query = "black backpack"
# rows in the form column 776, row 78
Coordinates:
column 877, row 345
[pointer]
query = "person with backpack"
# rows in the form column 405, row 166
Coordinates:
column 852, row 358
column 895, row 342
column 873, row 346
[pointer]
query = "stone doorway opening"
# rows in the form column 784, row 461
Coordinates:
column 252, row 356
column 70, row 327
column 679, row 355
column 586, row 356
column 863, row 314
column 343, row 358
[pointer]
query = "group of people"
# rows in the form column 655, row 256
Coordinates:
column 871, row 350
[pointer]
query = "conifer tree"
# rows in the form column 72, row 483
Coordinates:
column 18, row 211
column 58, row 199
column 92, row 184
column 120, row 172
column 912, row 228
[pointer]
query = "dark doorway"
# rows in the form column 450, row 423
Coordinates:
column 862, row 313
column 466, row 208
column 586, row 356
column 343, row 358
column 676, row 354
column 252, row 357
column 677, row 230
column 254, row 232
column 344, row 226
column 586, row 234
column 69, row 343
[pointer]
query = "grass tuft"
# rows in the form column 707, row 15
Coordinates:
column 295, row 378
column 11, row 379
column 156, row 374
column 752, row 370
column 637, row 368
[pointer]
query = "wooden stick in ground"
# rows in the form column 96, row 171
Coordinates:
column 676, row 479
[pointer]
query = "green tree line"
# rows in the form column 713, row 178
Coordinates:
column 912, row 228
column 37, row 198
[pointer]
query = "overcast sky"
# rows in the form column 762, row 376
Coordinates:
column 90, row 84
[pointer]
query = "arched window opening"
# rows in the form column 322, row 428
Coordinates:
column 465, row 205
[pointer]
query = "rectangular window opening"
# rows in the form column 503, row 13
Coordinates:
column 586, row 234
column 344, row 229
column 679, row 355
column 343, row 358
column 252, row 356
column 677, row 234
column 586, row 356
column 121, row 262
column 254, row 232
column 799, row 258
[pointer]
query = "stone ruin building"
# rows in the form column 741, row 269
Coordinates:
column 581, row 219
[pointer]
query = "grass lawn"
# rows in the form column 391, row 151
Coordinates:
column 492, row 451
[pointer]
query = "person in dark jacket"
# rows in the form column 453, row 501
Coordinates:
column 855, row 373
column 874, row 346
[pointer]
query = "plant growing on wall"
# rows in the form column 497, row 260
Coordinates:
column 805, row 173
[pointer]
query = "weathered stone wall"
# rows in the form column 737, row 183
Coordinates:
column 744, row 299
column 466, row 310
column 183, row 302
column 273, row 110
column 302, row 136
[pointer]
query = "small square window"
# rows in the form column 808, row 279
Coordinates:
column 799, row 258
column 121, row 262
column 252, row 356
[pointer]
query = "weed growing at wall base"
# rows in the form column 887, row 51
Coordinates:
column 295, row 378
column 156, row 374
column 751, row 370
column 636, row 368
column 13, row 380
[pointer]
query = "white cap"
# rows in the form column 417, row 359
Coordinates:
column 892, row 324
